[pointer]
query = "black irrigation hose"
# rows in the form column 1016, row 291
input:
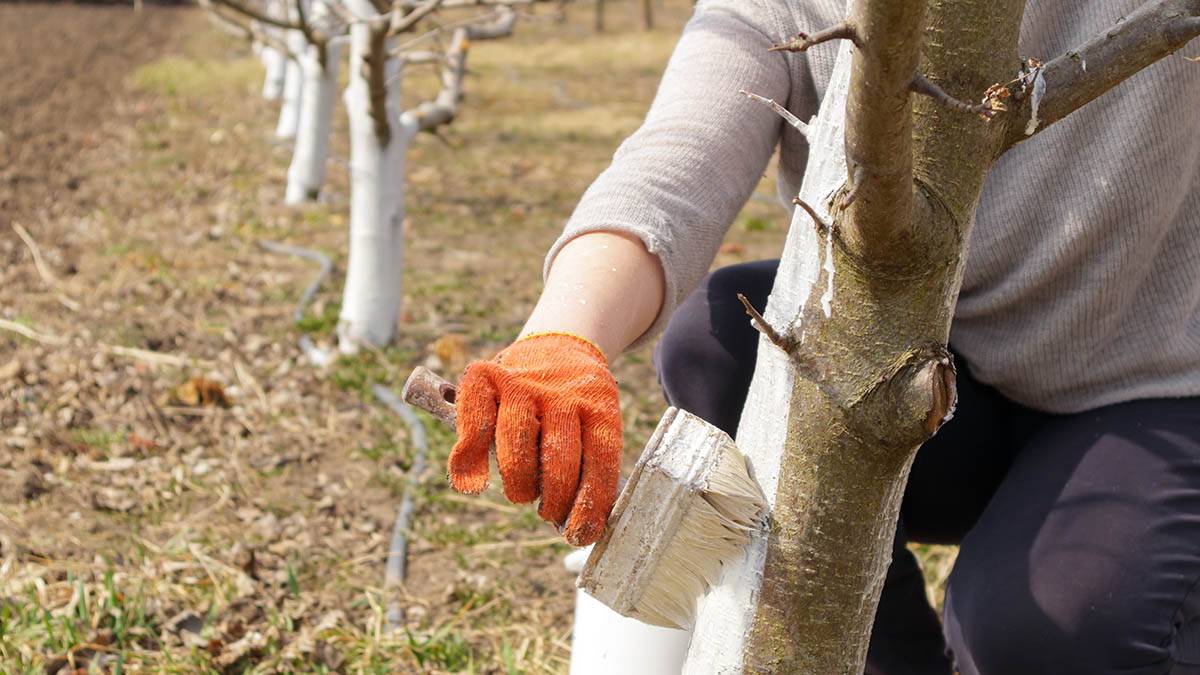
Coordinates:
column 314, row 353
column 396, row 569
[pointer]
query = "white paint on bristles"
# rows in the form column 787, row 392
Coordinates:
column 689, row 507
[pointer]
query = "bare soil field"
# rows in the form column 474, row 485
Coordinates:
column 180, row 491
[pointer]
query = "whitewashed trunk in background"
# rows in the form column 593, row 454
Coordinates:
column 275, row 64
column 293, row 83
column 371, row 297
column 306, row 174
column 726, row 614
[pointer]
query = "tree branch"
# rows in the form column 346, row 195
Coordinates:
column 257, row 15
column 802, row 41
column 442, row 110
column 493, row 26
column 402, row 21
column 879, row 198
column 761, row 325
column 421, row 58
column 927, row 87
column 242, row 26
column 1063, row 85
column 783, row 112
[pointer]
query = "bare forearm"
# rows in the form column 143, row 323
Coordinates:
column 603, row 286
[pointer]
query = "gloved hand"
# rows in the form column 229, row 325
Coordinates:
column 550, row 403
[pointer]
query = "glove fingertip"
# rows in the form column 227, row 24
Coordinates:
column 584, row 531
column 468, row 480
column 476, row 427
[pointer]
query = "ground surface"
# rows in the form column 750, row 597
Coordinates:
column 146, row 527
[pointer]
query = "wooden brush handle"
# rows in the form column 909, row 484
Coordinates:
column 425, row 390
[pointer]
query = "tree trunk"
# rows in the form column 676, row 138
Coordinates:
column 275, row 64
column 371, row 297
column 293, row 83
column 648, row 14
column 862, row 307
column 306, row 174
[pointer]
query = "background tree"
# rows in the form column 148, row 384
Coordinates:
column 869, row 277
column 379, row 132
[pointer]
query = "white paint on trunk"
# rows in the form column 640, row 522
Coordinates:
column 293, row 82
column 1039, row 90
column 371, row 297
column 726, row 614
column 275, row 64
column 306, row 174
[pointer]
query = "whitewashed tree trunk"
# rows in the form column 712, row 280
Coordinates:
column 726, row 614
column 379, row 138
column 306, row 174
column 275, row 64
column 293, row 83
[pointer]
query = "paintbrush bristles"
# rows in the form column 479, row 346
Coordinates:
column 689, row 508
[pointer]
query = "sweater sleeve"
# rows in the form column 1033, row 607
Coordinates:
column 679, row 181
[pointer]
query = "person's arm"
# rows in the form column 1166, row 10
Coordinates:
column 604, row 286
column 679, row 181
column 640, row 239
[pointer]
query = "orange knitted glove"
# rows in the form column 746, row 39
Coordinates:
column 551, row 405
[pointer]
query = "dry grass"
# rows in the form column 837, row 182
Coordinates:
column 147, row 532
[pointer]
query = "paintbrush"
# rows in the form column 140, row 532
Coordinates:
column 689, row 508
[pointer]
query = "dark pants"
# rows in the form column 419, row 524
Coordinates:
column 1079, row 534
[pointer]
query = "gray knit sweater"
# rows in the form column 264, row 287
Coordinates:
column 1082, row 285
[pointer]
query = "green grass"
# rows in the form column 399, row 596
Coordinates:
column 442, row 649
column 182, row 77
column 100, row 440
column 98, row 612
column 323, row 323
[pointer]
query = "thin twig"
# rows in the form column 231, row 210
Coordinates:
column 36, row 336
column 926, row 87
column 43, row 271
column 243, row 27
column 156, row 358
column 783, row 112
column 822, row 226
column 255, row 14
column 404, row 22
column 763, row 327
column 38, row 263
column 422, row 58
column 802, row 41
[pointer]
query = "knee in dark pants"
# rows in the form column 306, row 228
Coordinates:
column 705, row 358
column 996, row 627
